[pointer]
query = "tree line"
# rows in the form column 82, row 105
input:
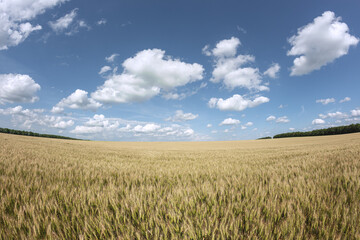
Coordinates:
column 28, row 133
column 264, row 138
column 320, row 132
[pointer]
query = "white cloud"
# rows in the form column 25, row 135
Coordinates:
column 150, row 127
column 145, row 75
column 236, row 103
column 226, row 47
column 107, row 124
column 272, row 70
column 189, row 132
column 67, row 23
column 209, row 125
column 333, row 115
column 77, row 100
column 292, row 129
column 206, row 50
column 320, row 43
column 98, row 124
column 56, row 109
column 86, row 130
column 83, row 24
column 64, row 124
column 64, row 22
column 229, row 67
column 27, row 117
column 325, row 101
column 111, row 58
column 346, row 99
column 104, row 69
column 249, row 124
column 245, row 78
column 174, row 96
column 102, row 21
column 17, row 110
column 355, row 112
column 283, row 119
column 17, row 88
column 241, row 29
column 318, row 121
column 180, row 116
column 14, row 17
column 270, row 118
column 229, row 121
column 223, row 66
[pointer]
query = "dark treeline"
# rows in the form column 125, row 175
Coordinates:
column 27, row 133
column 264, row 138
column 320, row 132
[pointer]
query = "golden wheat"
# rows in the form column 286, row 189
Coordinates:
column 296, row 188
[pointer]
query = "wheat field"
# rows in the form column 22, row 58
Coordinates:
column 294, row 188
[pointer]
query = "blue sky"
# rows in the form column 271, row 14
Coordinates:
column 178, row 70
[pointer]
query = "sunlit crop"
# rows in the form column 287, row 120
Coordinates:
column 302, row 188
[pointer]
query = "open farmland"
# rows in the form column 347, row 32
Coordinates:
column 306, row 188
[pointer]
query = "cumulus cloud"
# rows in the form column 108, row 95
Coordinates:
column 292, row 129
column 319, row 43
column 236, row 103
column 81, row 130
column 270, row 118
column 102, row 21
column 230, row 68
column 355, row 112
column 68, row 23
column 249, row 124
column 325, row 101
column 206, row 50
column 148, row 128
column 111, row 58
column 333, row 115
column 97, row 124
column 346, row 99
column 64, row 22
column 64, row 124
column 15, row 16
column 283, row 119
column 17, row 88
column 145, row 75
column 226, row 47
column 180, row 116
column 318, row 121
column 77, row 100
column 209, row 125
column 229, row 121
column 27, row 117
column 272, row 70
column 104, row 69
column 102, row 127
column 174, row 96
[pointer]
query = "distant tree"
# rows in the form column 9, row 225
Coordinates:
column 28, row 133
column 320, row 132
column 264, row 138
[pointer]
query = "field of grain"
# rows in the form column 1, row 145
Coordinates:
column 295, row 188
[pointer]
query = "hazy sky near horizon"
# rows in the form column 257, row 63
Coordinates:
column 178, row 70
